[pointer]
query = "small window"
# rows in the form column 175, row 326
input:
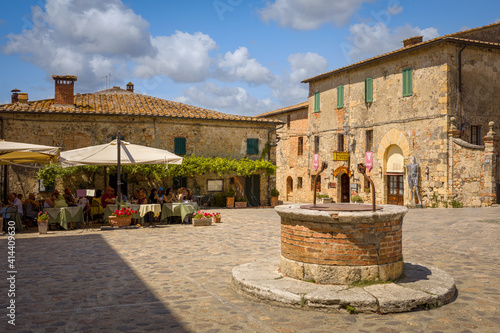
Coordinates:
column 316, row 144
column 300, row 146
column 215, row 185
column 368, row 90
column 475, row 135
column 340, row 142
column 318, row 181
column 407, row 82
column 252, row 146
column 180, row 146
column 369, row 140
column 340, row 97
column 299, row 182
column 316, row 101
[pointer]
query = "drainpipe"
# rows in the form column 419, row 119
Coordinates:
column 458, row 111
column 269, row 158
column 5, row 175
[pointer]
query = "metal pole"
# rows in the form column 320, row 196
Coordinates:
column 118, row 176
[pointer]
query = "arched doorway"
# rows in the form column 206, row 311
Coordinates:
column 393, row 165
column 344, row 188
column 289, row 189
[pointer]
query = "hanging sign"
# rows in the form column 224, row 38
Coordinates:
column 341, row 156
column 369, row 160
column 316, row 161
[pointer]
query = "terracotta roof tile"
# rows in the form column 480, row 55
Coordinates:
column 285, row 109
column 123, row 102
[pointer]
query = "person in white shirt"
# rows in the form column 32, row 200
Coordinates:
column 13, row 200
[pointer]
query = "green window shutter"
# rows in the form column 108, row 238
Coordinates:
column 316, row 101
column 180, row 146
column 368, row 90
column 407, row 82
column 252, row 146
column 340, row 97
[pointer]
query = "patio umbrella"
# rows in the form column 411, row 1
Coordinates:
column 109, row 154
column 25, row 153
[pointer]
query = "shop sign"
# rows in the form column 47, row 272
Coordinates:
column 316, row 161
column 341, row 156
column 369, row 160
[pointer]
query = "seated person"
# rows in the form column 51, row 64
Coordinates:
column 60, row 202
column 51, row 201
column 135, row 197
column 142, row 198
column 182, row 194
column 84, row 204
column 188, row 194
column 20, row 197
column 14, row 200
column 96, row 207
column 69, row 197
column 153, row 196
column 108, row 197
column 32, row 207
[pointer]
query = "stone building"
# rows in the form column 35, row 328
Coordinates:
column 434, row 102
column 73, row 121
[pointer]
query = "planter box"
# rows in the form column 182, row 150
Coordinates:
column 116, row 221
column 42, row 227
column 325, row 200
column 274, row 201
column 229, row 202
column 202, row 222
column 240, row 204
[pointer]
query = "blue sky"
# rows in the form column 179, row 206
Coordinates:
column 235, row 56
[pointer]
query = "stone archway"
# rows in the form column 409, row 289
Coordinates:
column 289, row 189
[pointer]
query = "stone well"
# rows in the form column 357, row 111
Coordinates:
column 341, row 247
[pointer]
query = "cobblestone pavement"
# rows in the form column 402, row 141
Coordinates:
column 177, row 278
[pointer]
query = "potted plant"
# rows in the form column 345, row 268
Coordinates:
column 216, row 217
column 230, row 198
column 121, row 217
column 240, row 202
column 274, row 197
column 324, row 198
column 202, row 218
column 43, row 222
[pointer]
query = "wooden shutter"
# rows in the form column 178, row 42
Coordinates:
column 180, row 146
column 252, row 146
column 340, row 97
column 316, row 101
column 368, row 90
column 407, row 82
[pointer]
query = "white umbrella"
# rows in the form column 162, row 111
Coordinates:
column 109, row 154
column 25, row 153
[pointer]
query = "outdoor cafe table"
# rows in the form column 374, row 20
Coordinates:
column 141, row 210
column 178, row 209
column 17, row 219
column 65, row 215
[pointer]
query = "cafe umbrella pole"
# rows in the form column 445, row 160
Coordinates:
column 118, row 176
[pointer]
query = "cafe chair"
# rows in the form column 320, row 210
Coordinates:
column 30, row 215
column 95, row 212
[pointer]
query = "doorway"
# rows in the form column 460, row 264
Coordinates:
column 252, row 190
column 395, row 190
column 289, row 189
column 344, row 188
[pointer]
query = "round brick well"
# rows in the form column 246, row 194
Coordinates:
column 341, row 247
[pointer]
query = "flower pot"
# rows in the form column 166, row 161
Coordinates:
column 274, row 201
column 240, row 204
column 42, row 227
column 217, row 219
column 326, row 200
column 120, row 221
column 230, row 202
column 202, row 222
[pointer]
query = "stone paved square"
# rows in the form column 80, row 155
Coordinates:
column 177, row 278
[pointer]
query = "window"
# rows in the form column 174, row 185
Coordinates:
column 340, row 142
column 369, row 140
column 215, row 185
column 180, row 146
column 316, row 144
column 316, row 101
column 407, row 82
column 318, row 181
column 475, row 135
column 300, row 146
column 179, row 182
column 288, row 118
column 299, row 182
column 252, row 146
column 368, row 90
column 340, row 97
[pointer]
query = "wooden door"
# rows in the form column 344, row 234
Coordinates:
column 395, row 190
column 252, row 190
column 344, row 188
column 289, row 189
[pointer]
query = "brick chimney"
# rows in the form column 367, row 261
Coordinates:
column 65, row 85
column 130, row 87
column 23, row 98
column 15, row 95
column 412, row 41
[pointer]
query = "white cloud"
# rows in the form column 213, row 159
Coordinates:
column 308, row 15
column 305, row 65
column 183, row 57
column 239, row 66
column 368, row 40
column 233, row 100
